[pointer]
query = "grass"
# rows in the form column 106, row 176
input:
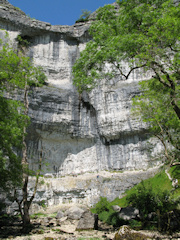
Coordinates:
column 41, row 215
column 159, row 183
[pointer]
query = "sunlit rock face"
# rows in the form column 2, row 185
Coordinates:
column 92, row 133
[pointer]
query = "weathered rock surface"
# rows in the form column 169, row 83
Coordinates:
column 128, row 234
column 93, row 134
column 59, row 215
column 128, row 213
column 74, row 213
column 87, row 188
column 88, row 221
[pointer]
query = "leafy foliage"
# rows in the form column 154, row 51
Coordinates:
column 106, row 213
column 155, row 108
column 153, row 195
column 11, row 128
column 147, row 201
column 102, row 205
column 175, row 172
column 16, row 71
column 146, row 36
column 143, row 33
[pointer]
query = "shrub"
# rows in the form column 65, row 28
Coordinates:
column 147, row 202
column 102, row 206
column 106, row 213
column 84, row 16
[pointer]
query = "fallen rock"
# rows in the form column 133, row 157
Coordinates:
column 62, row 219
column 68, row 228
column 88, row 221
column 48, row 222
column 59, row 215
column 126, row 233
column 74, row 213
column 116, row 208
column 128, row 213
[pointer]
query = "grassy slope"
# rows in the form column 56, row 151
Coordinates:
column 159, row 181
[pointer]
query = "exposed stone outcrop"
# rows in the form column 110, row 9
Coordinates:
column 93, row 134
column 88, row 221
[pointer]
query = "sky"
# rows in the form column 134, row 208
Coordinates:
column 58, row 12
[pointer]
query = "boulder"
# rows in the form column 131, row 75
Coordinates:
column 74, row 213
column 116, row 208
column 126, row 233
column 59, row 215
column 88, row 221
column 128, row 213
column 47, row 221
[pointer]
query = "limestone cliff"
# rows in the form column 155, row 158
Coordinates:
column 95, row 133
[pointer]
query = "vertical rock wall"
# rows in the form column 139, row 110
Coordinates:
column 94, row 134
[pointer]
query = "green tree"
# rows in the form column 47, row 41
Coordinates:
column 146, row 35
column 84, row 16
column 155, row 109
column 147, row 202
column 17, row 76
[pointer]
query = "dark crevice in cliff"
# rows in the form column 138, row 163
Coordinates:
column 89, row 107
column 126, row 139
column 85, row 103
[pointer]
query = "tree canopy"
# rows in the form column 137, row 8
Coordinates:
column 145, row 34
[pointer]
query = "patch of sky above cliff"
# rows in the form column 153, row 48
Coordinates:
column 58, row 12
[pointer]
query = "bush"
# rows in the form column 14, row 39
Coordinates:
column 102, row 206
column 148, row 202
column 143, row 199
column 106, row 213
column 175, row 172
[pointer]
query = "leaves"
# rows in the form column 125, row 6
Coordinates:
column 145, row 35
column 154, row 107
column 142, row 33
column 16, row 71
column 147, row 201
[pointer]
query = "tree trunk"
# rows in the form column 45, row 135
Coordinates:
column 25, row 203
column 26, row 217
column 158, row 220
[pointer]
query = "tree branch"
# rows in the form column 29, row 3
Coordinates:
column 131, row 70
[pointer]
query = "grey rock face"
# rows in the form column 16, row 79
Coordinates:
column 59, row 215
column 86, row 189
column 74, row 213
column 88, row 221
column 91, row 134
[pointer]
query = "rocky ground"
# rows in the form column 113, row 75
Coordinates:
column 47, row 226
